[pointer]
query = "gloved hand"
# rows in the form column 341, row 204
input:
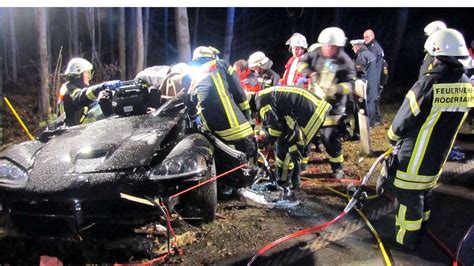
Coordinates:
column 318, row 91
column 113, row 84
column 197, row 121
column 314, row 77
column 301, row 81
column 330, row 91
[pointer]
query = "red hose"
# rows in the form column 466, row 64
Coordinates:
column 295, row 235
column 455, row 262
column 208, row 181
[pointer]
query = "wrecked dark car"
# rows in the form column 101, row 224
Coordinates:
column 69, row 181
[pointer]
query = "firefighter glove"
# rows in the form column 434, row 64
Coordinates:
column 301, row 81
column 330, row 91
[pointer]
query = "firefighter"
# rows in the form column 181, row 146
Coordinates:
column 291, row 116
column 365, row 70
column 76, row 95
column 261, row 65
column 220, row 101
column 425, row 128
column 332, row 72
column 248, row 79
column 298, row 46
column 431, row 28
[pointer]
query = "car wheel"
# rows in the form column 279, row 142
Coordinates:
column 204, row 198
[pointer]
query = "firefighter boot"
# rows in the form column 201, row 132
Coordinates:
column 337, row 170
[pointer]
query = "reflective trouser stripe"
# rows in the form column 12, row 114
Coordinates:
column 404, row 224
column 414, row 182
column 305, row 160
column 225, row 100
column 285, row 166
column 338, row 159
column 238, row 132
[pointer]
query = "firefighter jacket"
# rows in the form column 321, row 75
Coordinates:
column 384, row 74
column 344, row 78
column 249, row 81
column 426, row 65
column 268, row 78
column 220, row 101
column 73, row 101
column 366, row 70
column 291, row 112
column 427, row 123
column 291, row 75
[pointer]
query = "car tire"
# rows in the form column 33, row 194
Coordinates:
column 205, row 198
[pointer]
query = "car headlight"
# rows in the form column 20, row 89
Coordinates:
column 11, row 175
column 180, row 166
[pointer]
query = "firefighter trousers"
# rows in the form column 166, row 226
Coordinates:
column 332, row 144
column 288, row 167
column 412, row 211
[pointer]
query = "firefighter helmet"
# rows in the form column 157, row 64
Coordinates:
column 449, row 42
column 77, row 66
column 333, row 36
column 434, row 26
column 297, row 40
column 314, row 46
column 205, row 51
column 259, row 59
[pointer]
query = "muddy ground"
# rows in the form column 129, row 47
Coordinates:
column 240, row 230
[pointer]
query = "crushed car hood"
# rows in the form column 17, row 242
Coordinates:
column 115, row 144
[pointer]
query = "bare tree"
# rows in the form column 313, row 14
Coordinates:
column 41, row 21
column 182, row 34
column 90, row 19
column 13, row 45
column 111, row 33
column 229, row 32
column 122, row 58
column 75, row 32
column 140, row 49
column 196, row 26
column 165, row 31
column 146, row 26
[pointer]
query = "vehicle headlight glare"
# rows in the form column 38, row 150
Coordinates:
column 186, row 165
column 11, row 175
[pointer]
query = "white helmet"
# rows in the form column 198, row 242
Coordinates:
column 205, row 51
column 314, row 46
column 434, row 26
column 332, row 36
column 297, row 40
column 78, row 65
column 448, row 42
column 259, row 59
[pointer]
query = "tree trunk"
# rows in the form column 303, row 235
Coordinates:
column 182, row 34
column 146, row 24
column 165, row 31
column 100, row 65
column 90, row 19
column 4, row 38
column 75, row 33
column 131, row 49
column 111, row 31
column 229, row 32
column 13, row 45
column 121, row 39
column 41, row 23
column 139, row 41
column 196, row 27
